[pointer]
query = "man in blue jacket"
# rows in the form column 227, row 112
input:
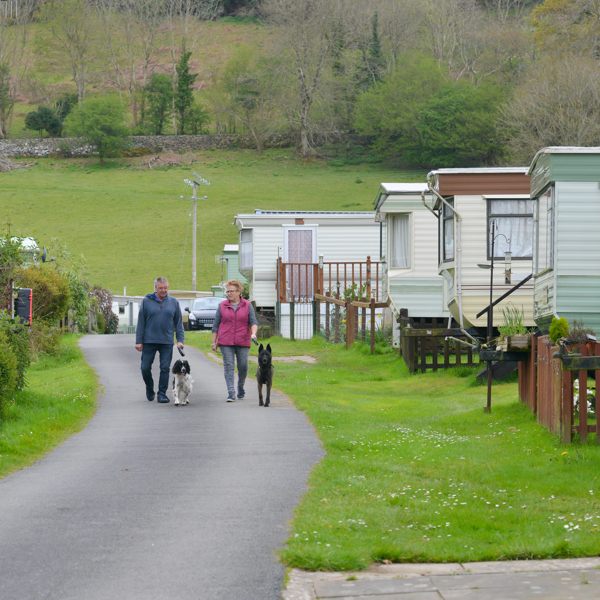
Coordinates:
column 159, row 320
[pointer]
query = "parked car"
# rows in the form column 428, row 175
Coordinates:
column 202, row 312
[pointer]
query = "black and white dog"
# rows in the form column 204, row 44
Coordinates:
column 182, row 382
column 264, row 374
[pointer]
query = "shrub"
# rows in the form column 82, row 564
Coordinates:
column 18, row 338
column 45, row 338
column 559, row 328
column 578, row 333
column 101, row 327
column 8, row 370
column 112, row 323
column 50, row 292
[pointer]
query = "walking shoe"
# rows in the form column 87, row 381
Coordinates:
column 150, row 394
column 241, row 394
column 231, row 397
column 162, row 398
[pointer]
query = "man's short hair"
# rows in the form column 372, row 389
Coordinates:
column 160, row 280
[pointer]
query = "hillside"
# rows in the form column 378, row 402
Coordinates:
column 131, row 226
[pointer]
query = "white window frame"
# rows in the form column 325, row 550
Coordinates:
column 392, row 229
column 243, row 253
column 288, row 228
column 490, row 217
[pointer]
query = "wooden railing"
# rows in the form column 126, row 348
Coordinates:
column 428, row 345
column 349, row 320
column 300, row 282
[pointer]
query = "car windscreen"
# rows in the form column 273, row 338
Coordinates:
column 207, row 303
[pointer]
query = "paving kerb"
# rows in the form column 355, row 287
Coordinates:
column 557, row 579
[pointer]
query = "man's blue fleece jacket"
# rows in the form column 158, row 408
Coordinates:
column 159, row 321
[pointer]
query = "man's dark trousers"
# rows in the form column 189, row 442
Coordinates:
column 166, row 354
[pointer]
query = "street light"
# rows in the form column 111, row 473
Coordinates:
column 490, row 323
column 194, row 185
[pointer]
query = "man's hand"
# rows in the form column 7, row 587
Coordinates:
column 180, row 345
column 139, row 347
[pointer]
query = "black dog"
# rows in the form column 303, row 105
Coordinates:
column 264, row 374
column 182, row 382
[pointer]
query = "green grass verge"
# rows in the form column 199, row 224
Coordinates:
column 415, row 471
column 131, row 225
column 59, row 400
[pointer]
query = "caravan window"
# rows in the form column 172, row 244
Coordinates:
column 544, row 232
column 400, row 242
column 246, row 249
column 513, row 221
column 448, row 231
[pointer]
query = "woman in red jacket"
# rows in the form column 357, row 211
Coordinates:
column 235, row 326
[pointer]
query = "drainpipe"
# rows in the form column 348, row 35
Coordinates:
column 458, row 247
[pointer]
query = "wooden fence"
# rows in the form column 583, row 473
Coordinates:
column 349, row 320
column 300, row 282
column 425, row 344
column 552, row 396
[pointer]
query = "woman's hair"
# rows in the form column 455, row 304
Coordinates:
column 236, row 284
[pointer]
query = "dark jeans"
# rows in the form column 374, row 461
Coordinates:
column 166, row 354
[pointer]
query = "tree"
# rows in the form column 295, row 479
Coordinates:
column 73, row 32
column 100, row 122
column 423, row 120
column 568, row 26
column 372, row 67
column 184, row 96
column 129, row 30
column 557, row 104
column 15, row 60
column 248, row 96
column 302, row 61
column 42, row 119
column 10, row 259
column 391, row 111
column 159, row 93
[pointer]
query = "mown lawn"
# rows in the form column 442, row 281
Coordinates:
column 131, row 225
column 415, row 471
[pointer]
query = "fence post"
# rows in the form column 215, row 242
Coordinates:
column 316, row 319
column 349, row 324
column 336, row 326
column 292, row 320
column 327, row 319
column 372, row 321
column 566, row 406
column 369, row 277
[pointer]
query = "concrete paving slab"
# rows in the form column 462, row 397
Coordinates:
column 366, row 587
column 559, row 579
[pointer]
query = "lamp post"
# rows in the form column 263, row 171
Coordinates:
column 194, row 185
column 490, row 322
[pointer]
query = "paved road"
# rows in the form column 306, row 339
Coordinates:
column 153, row 501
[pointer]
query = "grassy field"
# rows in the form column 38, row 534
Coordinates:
column 415, row 471
column 131, row 226
column 58, row 401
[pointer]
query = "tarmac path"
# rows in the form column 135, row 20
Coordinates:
column 152, row 501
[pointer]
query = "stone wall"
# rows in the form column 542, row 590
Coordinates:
column 155, row 143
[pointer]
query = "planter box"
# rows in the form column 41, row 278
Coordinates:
column 514, row 342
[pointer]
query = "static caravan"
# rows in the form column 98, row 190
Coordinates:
column 565, row 188
column 411, row 280
column 479, row 209
column 302, row 237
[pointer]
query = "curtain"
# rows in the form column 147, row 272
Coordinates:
column 400, row 242
column 515, row 221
